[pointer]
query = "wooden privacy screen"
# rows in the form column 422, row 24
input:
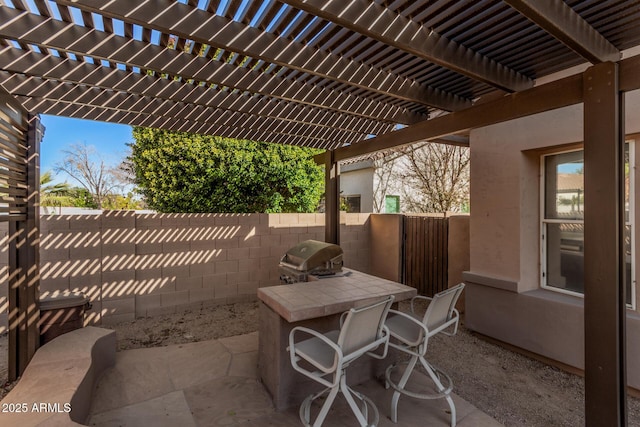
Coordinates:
column 20, row 137
column 425, row 253
column 13, row 162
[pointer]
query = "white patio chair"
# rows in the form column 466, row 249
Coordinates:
column 410, row 334
column 362, row 331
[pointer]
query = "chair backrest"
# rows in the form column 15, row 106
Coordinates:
column 362, row 327
column 440, row 309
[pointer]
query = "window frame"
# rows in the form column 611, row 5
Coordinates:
column 397, row 198
column 349, row 197
column 544, row 221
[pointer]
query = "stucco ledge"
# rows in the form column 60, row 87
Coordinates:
column 493, row 282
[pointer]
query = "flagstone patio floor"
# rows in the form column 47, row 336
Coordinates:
column 216, row 383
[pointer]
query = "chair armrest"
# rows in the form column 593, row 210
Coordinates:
column 385, row 336
column 455, row 320
column 318, row 335
column 322, row 371
column 413, row 320
column 342, row 316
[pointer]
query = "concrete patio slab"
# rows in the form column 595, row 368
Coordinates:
column 185, row 370
column 215, row 383
column 241, row 343
column 168, row 410
column 229, row 401
column 135, row 378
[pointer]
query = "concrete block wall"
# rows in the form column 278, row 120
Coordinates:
column 355, row 240
column 133, row 265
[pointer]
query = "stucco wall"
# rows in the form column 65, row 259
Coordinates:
column 133, row 265
column 504, row 298
column 386, row 246
column 358, row 182
column 458, row 253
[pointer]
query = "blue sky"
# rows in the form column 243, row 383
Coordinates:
column 109, row 140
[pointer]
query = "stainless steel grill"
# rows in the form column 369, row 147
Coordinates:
column 310, row 258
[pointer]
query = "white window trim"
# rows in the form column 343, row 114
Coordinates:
column 544, row 222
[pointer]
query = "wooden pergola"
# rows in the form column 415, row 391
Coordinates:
column 331, row 74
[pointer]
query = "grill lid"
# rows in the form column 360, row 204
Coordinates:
column 313, row 254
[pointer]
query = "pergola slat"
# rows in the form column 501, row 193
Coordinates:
column 150, row 57
column 380, row 23
column 138, row 118
column 73, row 93
column 47, row 66
column 202, row 26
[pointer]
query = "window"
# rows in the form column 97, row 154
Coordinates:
column 392, row 204
column 350, row 204
column 563, row 222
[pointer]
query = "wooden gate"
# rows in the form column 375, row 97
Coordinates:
column 425, row 253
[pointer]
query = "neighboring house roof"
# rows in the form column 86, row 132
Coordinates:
column 570, row 182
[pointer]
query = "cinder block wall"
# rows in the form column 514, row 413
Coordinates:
column 133, row 265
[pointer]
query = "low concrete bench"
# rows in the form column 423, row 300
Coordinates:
column 56, row 387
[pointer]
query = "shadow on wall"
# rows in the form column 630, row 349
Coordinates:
column 133, row 265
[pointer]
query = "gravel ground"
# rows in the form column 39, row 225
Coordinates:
column 514, row 389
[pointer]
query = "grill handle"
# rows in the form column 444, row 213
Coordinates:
column 291, row 266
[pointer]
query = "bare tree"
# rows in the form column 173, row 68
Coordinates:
column 385, row 175
column 436, row 178
column 82, row 163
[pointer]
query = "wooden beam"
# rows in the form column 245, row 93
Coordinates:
column 629, row 74
column 562, row 22
column 604, row 293
column 556, row 94
column 332, row 199
column 561, row 93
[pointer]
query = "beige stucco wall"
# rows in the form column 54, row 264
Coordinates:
column 504, row 299
column 458, row 253
column 132, row 265
column 386, row 246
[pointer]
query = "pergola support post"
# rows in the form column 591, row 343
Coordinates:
column 332, row 199
column 604, row 294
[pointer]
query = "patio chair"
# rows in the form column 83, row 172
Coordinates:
column 410, row 334
column 362, row 331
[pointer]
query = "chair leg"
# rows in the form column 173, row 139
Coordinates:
column 361, row 414
column 438, row 383
column 403, row 381
column 325, row 408
column 352, row 403
column 305, row 407
column 444, row 392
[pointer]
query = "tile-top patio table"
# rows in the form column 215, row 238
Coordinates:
column 317, row 304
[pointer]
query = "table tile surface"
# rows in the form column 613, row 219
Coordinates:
column 330, row 295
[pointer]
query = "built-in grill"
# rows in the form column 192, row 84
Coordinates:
column 310, row 258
